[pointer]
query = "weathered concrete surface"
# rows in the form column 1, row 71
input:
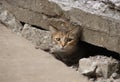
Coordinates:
column 21, row 62
column 100, row 68
column 101, row 24
column 40, row 38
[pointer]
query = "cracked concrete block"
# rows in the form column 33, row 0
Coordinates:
column 98, row 66
column 40, row 38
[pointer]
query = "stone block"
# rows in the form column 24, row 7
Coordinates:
column 101, row 39
column 40, row 38
column 98, row 66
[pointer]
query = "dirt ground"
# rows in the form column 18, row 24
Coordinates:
column 21, row 62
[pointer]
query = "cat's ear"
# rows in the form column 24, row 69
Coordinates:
column 53, row 29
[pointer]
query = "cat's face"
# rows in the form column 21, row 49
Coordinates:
column 64, row 40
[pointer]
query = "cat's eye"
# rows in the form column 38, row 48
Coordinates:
column 58, row 39
column 69, row 39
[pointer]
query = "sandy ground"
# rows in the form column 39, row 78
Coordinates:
column 21, row 62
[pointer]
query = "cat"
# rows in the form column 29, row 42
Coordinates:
column 65, row 45
column 68, row 47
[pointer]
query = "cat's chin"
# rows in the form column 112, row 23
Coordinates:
column 65, row 50
column 61, row 51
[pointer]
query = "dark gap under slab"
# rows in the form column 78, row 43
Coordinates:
column 96, row 50
column 35, row 26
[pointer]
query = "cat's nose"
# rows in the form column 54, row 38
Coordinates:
column 63, row 45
